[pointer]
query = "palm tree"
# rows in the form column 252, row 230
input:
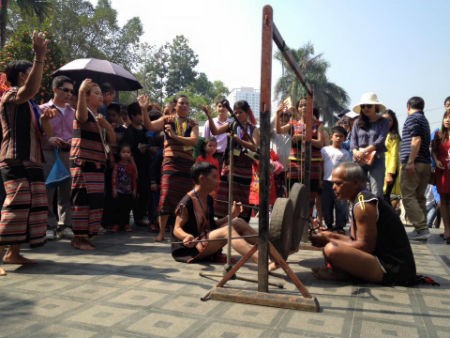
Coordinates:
column 39, row 8
column 328, row 97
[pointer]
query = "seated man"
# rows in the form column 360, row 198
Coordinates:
column 378, row 248
column 195, row 221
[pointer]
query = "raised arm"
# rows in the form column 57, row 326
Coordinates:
column 157, row 125
column 213, row 128
column 279, row 128
column 33, row 81
column 81, row 113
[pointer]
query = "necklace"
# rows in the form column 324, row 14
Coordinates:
column 180, row 127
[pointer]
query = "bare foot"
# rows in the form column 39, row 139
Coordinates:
column 159, row 237
column 17, row 259
column 273, row 266
column 326, row 273
column 2, row 272
column 82, row 244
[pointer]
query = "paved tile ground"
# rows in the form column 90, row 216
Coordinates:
column 131, row 287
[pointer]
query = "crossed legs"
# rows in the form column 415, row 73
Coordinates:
column 350, row 261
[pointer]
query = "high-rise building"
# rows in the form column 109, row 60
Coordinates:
column 251, row 95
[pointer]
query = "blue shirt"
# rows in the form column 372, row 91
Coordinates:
column 416, row 125
column 376, row 135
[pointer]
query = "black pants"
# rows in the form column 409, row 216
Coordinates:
column 389, row 187
column 123, row 204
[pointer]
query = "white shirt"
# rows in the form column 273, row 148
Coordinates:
column 221, row 138
column 331, row 158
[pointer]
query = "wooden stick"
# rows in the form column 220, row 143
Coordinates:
column 215, row 239
column 238, row 204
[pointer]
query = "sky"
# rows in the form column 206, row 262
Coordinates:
column 395, row 48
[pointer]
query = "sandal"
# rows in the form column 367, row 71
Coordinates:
column 82, row 244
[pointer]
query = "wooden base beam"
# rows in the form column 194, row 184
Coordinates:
column 284, row 301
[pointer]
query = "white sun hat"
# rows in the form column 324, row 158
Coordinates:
column 352, row 114
column 369, row 98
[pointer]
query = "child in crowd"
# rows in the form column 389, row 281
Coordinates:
column 124, row 188
column 207, row 152
column 332, row 156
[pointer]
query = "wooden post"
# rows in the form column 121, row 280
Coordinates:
column 264, row 180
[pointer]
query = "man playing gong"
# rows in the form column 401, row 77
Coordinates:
column 203, row 237
column 377, row 249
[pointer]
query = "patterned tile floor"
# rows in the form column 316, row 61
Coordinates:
column 131, row 287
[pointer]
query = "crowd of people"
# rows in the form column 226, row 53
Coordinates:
column 154, row 163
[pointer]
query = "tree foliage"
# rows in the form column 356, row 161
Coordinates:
column 170, row 69
column 87, row 31
column 328, row 97
column 181, row 64
column 19, row 47
column 27, row 8
column 79, row 29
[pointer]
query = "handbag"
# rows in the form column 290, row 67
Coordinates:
column 369, row 158
column 58, row 173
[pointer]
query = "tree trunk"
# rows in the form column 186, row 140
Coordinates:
column 3, row 18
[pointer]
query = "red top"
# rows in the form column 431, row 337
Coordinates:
column 124, row 178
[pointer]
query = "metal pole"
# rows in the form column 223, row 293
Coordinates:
column 308, row 123
column 230, row 204
column 264, row 180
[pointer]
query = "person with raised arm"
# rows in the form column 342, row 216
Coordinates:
column 92, row 135
column 181, row 136
column 24, row 212
column 245, row 140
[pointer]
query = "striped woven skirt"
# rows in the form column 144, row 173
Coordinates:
column 242, row 178
column 176, row 181
column 296, row 173
column 24, row 212
column 88, row 193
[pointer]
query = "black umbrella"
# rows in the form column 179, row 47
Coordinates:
column 99, row 71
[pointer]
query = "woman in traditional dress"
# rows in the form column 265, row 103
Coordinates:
column 181, row 136
column 296, row 127
column 245, row 139
column 24, row 212
column 88, row 152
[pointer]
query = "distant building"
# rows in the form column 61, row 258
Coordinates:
column 251, row 95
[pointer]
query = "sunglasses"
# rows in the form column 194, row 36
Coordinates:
column 66, row 90
column 366, row 106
